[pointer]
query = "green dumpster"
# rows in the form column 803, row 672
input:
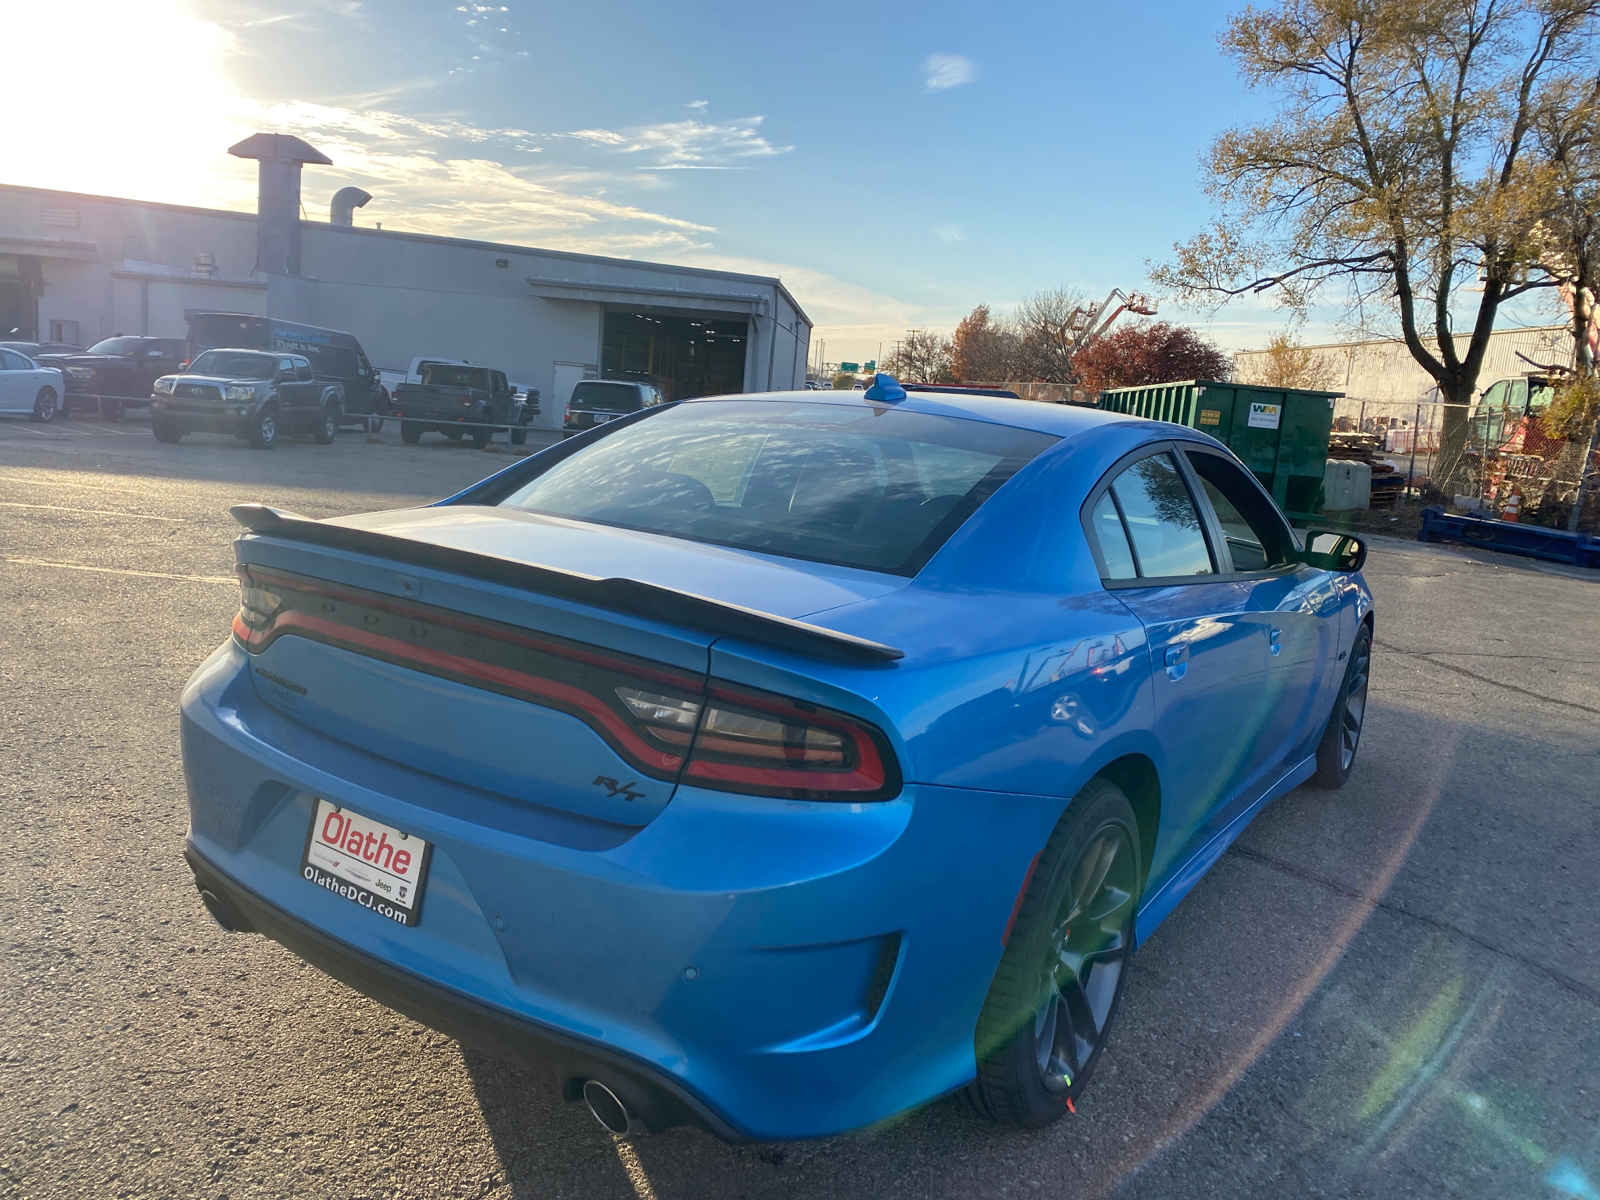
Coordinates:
column 1281, row 434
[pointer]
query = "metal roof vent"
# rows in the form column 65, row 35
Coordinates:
column 345, row 202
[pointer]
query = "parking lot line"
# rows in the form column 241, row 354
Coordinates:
column 92, row 512
column 42, row 562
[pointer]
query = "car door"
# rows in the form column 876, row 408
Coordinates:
column 15, row 380
column 1207, row 652
column 291, row 390
column 1296, row 606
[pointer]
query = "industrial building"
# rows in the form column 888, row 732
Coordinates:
column 78, row 268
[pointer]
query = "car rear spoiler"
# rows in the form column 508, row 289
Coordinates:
column 619, row 595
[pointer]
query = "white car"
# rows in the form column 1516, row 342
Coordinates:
column 26, row 387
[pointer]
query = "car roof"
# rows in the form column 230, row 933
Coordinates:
column 1059, row 420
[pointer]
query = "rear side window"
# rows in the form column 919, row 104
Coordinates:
column 1160, row 520
column 446, row 375
column 842, row 484
column 1113, row 539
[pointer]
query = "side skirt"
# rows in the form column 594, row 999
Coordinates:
column 1158, row 906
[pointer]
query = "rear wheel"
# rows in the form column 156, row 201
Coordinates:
column 165, row 430
column 1055, row 993
column 327, row 427
column 264, row 429
column 44, row 405
column 1336, row 753
column 480, row 438
column 519, row 433
column 454, row 435
column 410, row 432
column 110, row 408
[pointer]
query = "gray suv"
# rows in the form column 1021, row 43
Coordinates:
column 596, row 401
column 252, row 394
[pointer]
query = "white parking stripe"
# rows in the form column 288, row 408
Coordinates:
column 41, row 562
column 93, row 512
column 93, row 487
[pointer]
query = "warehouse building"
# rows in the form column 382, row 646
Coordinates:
column 78, row 268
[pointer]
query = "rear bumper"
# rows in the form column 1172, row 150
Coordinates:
column 659, row 1100
column 766, row 969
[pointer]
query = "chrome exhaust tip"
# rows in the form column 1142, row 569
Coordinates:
column 607, row 1108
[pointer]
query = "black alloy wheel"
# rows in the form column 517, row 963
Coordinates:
column 264, row 428
column 44, row 405
column 410, row 432
column 328, row 428
column 1055, row 993
column 111, row 408
column 1336, row 752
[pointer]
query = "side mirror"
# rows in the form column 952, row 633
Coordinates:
column 1334, row 551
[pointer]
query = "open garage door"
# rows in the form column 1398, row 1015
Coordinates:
column 684, row 357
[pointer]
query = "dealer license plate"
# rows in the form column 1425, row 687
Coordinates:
column 366, row 861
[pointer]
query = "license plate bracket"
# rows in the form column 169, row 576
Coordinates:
column 377, row 866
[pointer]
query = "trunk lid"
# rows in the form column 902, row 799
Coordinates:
column 540, row 698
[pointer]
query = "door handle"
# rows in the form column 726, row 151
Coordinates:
column 1177, row 662
column 1275, row 638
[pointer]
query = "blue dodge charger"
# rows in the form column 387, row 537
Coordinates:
column 773, row 763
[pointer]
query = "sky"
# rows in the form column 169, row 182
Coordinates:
column 895, row 163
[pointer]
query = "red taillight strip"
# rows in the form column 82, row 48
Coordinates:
column 416, row 612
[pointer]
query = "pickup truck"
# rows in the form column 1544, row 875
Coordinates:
column 460, row 400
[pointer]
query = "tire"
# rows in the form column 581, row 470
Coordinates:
column 166, row 431
column 410, row 432
column 110, row 409
column 454, row 435
column 1341, row 738
column 519, row 432
column 263, row 432
column 374, row 424
column 44, row 405
column 327, row 426
column 1054, row 994
column 480, row 438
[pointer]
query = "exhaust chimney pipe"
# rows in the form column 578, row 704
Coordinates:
column 607, row 1108
column 278, row 197
column 345, row 202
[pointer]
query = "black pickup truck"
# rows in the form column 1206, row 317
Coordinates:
column 116, row 373
column 461, row 401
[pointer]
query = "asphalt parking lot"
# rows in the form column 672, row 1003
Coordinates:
column 1393, row 990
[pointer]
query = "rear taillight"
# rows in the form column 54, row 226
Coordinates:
column 768, row 745
column 663, row 723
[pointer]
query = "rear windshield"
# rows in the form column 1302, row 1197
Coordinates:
column 234, row 364
column 448, row 376
column 843, row 484
column 117, row 345
column 606, row 397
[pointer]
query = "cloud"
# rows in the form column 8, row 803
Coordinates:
column 950, row 234
column 676, row 145
column 944, row 71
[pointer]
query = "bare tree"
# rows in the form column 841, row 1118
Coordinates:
column 921, row 357
column 1046, row 324
column 1400, row 166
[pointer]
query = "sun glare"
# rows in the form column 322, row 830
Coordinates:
column 136, row 103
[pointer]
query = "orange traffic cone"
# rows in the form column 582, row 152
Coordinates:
column 1513, row 509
